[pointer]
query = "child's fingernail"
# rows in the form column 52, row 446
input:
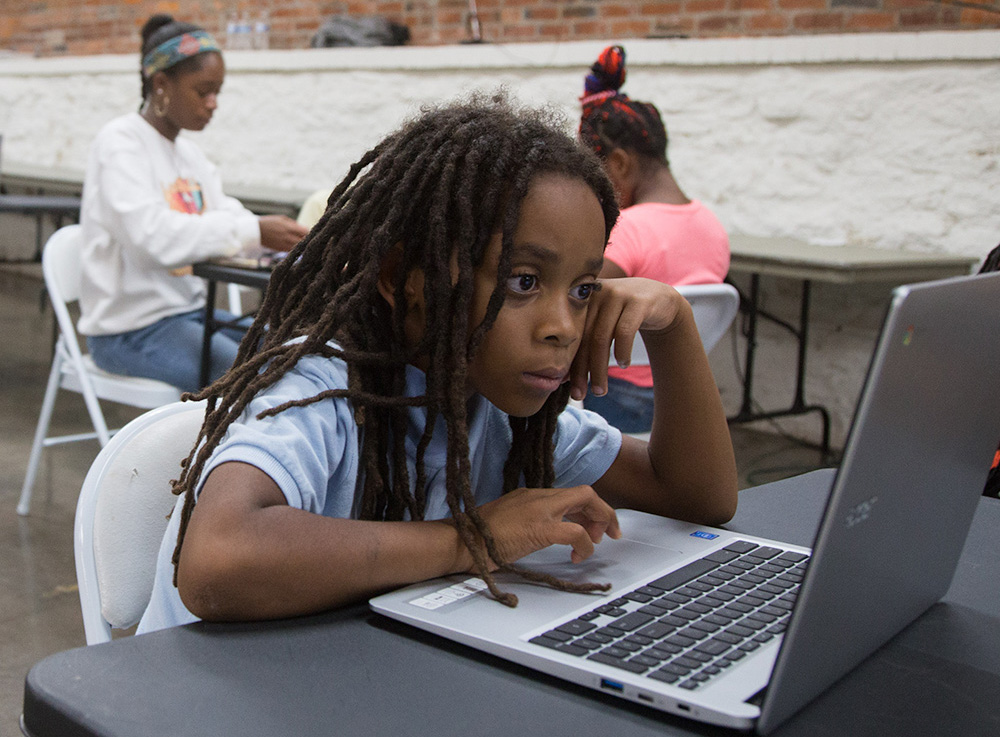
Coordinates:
column 598, row 391
column 623, row 364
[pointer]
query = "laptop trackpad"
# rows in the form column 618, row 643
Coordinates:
column 622, row 563
column 648, row 543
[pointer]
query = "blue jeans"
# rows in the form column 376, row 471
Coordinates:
column 626, row 406
column 169, row 350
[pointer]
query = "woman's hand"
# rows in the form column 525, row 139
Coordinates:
column 280, row 233
column 526, row 520
column 616, row 312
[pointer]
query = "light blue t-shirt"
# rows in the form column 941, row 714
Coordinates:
column 311, row 453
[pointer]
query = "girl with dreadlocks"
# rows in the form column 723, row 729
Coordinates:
column 398, row 409
column 661, row 234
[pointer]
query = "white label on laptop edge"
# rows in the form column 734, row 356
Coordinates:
column 450, row 594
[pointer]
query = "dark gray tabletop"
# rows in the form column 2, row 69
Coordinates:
column 353, row 672
column 796, row 259
column 243, row 275
column 40, row 204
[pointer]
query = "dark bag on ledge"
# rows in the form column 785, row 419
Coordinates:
column 364, row 30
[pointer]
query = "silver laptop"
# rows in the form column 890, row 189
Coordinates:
column 741, row 631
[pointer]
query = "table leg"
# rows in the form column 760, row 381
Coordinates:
column 206, row 341
column 39, row 224
column 798, row 406
column 746, row 409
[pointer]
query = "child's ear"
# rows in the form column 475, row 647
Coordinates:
column 619, row 164
column 388, row 274
column 622, row 168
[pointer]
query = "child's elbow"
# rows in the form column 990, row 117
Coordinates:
column 200, row 591
column 716, row 506
column 725, row 505
column 722, row 510
column 211, row 582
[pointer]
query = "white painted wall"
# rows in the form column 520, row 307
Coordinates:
column 889, row 141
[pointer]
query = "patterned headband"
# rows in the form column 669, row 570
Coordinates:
column 177, row 49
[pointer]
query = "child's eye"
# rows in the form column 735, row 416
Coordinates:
column 583, row 292
column 522, row 283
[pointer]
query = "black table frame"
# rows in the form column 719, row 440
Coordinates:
column 789, row 258
column 58, row 207
column 213, row 273
column 751, row 309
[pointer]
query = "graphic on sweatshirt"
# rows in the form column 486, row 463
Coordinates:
column 184, row 195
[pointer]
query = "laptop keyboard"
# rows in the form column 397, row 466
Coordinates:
column 692, row 624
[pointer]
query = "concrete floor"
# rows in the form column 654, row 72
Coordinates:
column 39, row 607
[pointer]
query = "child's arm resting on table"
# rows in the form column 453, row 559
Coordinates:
column 247, row 555
column 688, row 470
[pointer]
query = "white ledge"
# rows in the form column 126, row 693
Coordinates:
column 931, row 46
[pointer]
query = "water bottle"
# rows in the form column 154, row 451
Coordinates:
column 262, row 31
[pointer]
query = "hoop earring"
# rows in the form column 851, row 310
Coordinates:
column 160, row 104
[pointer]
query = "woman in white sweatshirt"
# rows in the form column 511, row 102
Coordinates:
column 153, row 205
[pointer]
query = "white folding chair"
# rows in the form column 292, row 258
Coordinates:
column 73, row 369
column 234, row 296
column 122, row 513
column 714, row 307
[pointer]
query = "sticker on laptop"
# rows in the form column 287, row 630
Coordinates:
column 704, row 535
column 450, row 594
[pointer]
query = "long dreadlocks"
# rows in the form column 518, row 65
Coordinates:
column 432, row 194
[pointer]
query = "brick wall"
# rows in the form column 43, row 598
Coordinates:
column 79, row 27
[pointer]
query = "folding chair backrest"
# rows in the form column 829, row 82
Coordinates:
column 61, row 267
column 73, row 369
column 122, row 513
column 714, row 307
